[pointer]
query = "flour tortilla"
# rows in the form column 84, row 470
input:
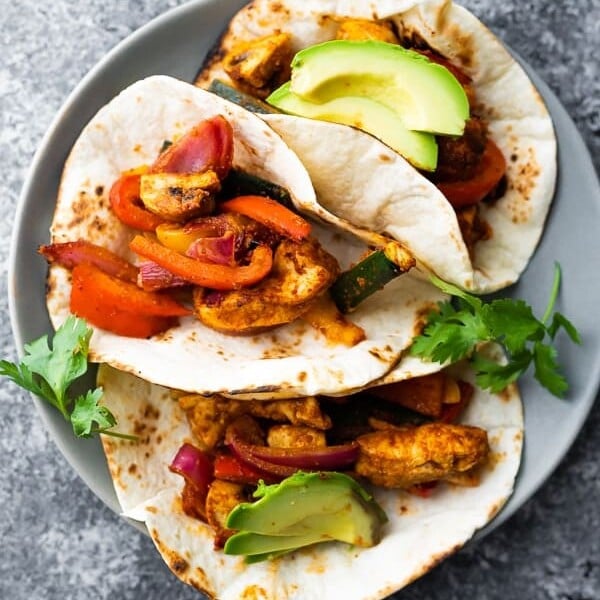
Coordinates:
column 291, row 360
column 362, row 180
column 421, row 532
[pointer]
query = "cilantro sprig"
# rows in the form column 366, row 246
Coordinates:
column 462, row 323
column 48, row 372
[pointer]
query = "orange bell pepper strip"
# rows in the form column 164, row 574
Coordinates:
column 71, row 254
column 474, row 190
column 270, row 213
column 122, row 295
column 214, row 276
column 98, row 311
column 127, row 205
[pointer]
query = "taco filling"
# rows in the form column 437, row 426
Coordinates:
column 248, row 262
column 468, row 168
column 430, row 82
column 399, row 436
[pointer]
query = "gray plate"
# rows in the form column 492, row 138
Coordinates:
column 174, row 44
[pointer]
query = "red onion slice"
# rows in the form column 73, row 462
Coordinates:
column 284, row 462
column 217, row 250
column 194, row 466
column 153, row 277
column 208, row 145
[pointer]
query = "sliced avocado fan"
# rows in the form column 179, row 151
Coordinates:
column 304, row 509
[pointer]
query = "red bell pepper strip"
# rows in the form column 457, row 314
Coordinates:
column 229, row 468
column 270, row 213
column 70, row 254
column 85, row 304
column 208, row 145
column 217, row 277
column 471, row 191
column 127, row 205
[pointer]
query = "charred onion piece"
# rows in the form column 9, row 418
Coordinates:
column 194, row 466
column 284, row 462
column 208, row 145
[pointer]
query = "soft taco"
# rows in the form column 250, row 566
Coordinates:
column 475, row 216
column 397, row 463
column 152, row 333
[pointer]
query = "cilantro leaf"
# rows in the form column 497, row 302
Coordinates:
column 465, row 321
column 513, row 322
column 60, row 365
column 494, row 376
column 546, row 369
column 49, row 370
column 88, row 416
column 559, row 321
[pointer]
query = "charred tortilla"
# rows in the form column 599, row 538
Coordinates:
column 294, row 359
column 421, row 531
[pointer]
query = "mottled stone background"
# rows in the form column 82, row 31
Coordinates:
column 59, row 541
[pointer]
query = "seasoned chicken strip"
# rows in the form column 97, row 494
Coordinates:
column 301, row 272
column 222, row 498
column 295, row 436
column 259, row 66
column 404, row 457
column 210, row 416
column 362, row 29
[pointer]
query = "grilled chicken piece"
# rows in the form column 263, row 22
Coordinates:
column 326, row 318
column 293, row 436
column 298, row 411
column 222, row 498
column 179, row 196
column 436, row 451
column 301, row 272
column 210, row 416
column 259, row 66
column 362, row 29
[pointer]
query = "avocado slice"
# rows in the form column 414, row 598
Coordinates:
column 248, row 543
column 426, row 96
column 304, row 509
column 367, row 114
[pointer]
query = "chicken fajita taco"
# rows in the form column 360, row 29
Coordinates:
column 166, row 242
column 464, row 167
column 303, row 498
